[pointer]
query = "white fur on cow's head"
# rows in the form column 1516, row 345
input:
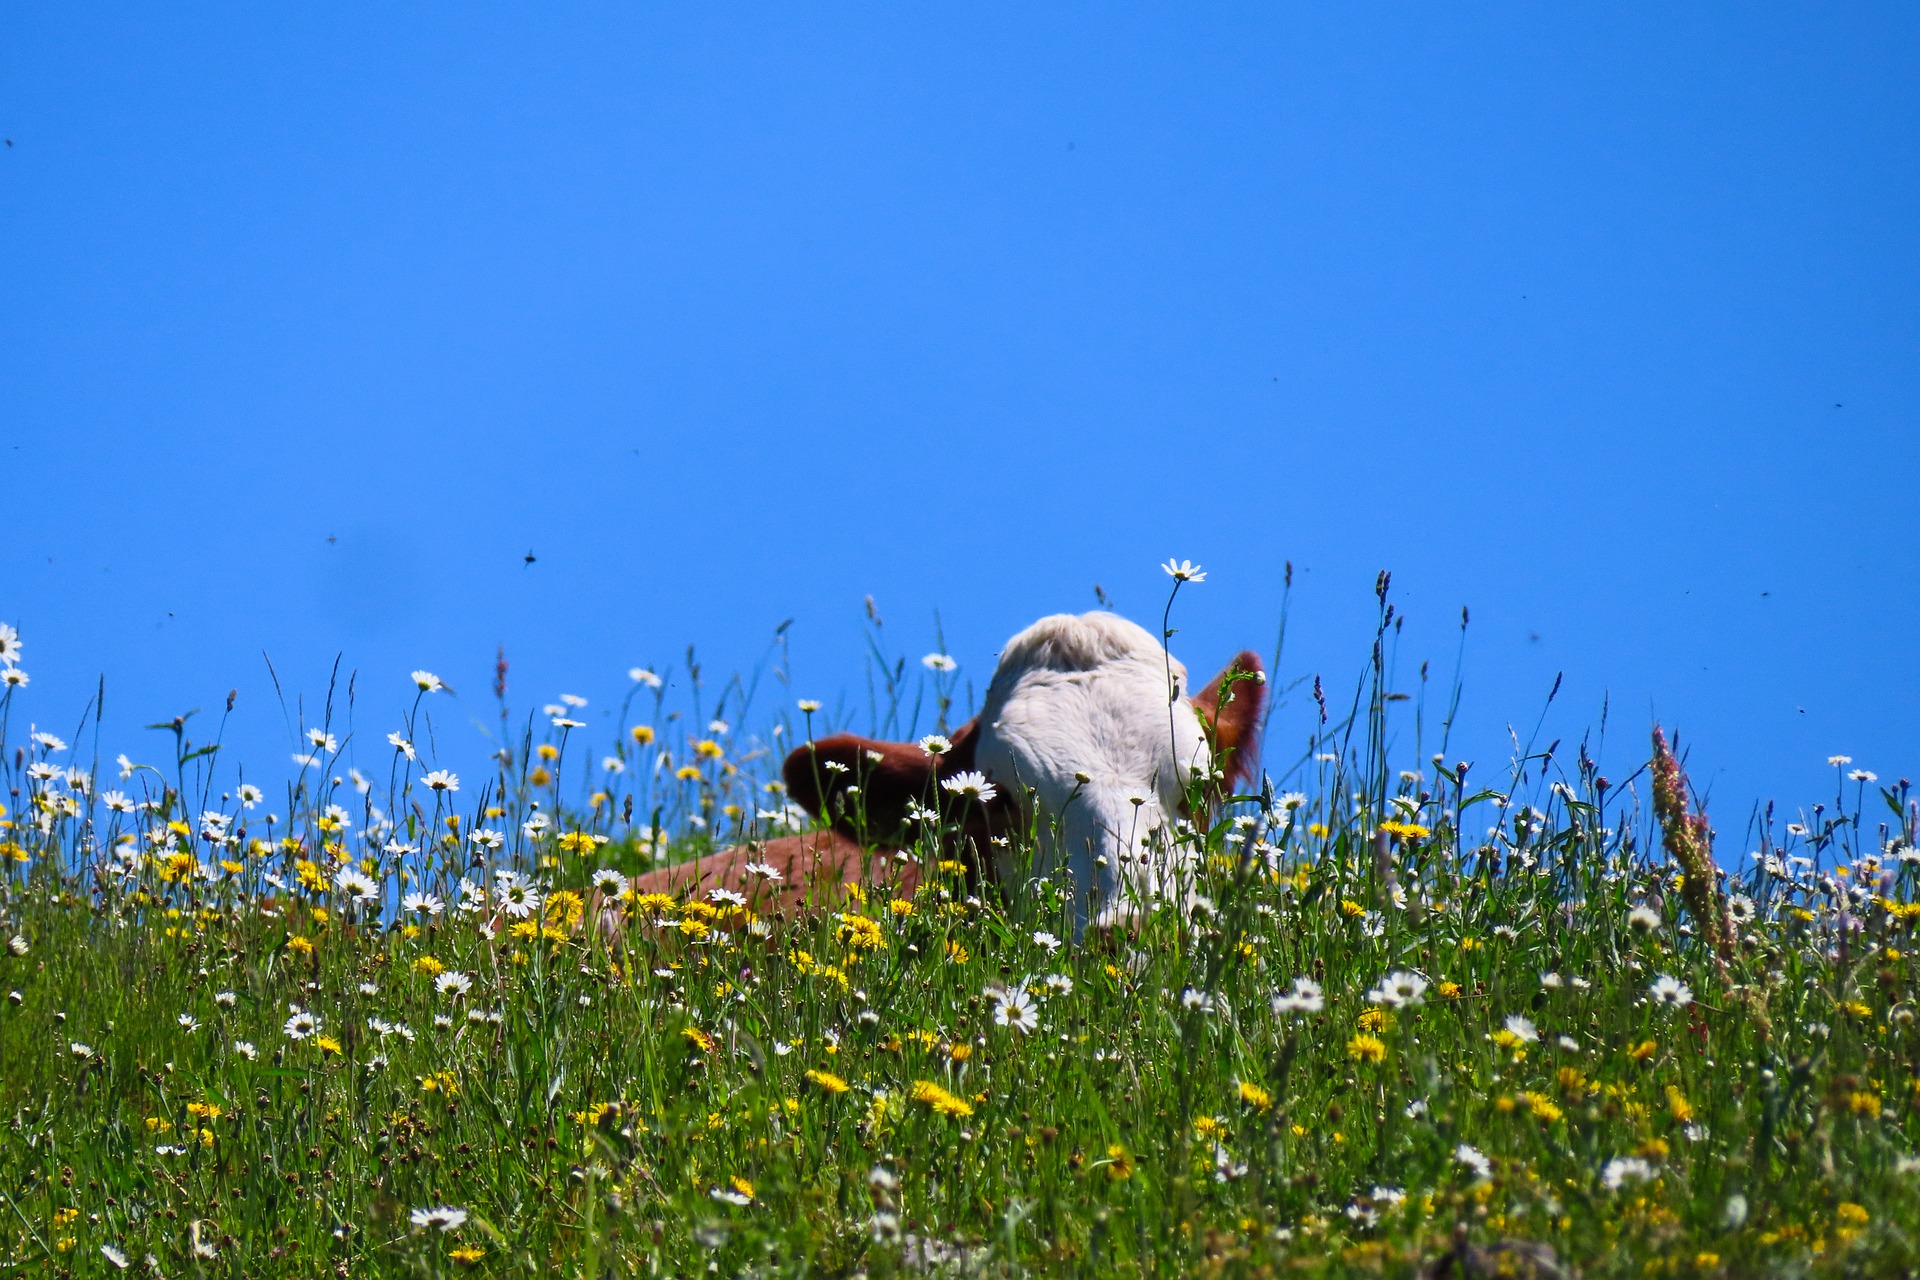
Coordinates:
column 1090, row 694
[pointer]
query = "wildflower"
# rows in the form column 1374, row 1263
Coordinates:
column 427, row 682
column 1119, row 1163
column 726, row 897
column 1045, row 941
column 441, row 1217
column 1305, row 997
column 300, row 1024
column 519, row 899
column 936, row 744
column 1254, row 1096
column 1521, row 1029
column 733, row 1195
column 1852, row 1214
column 1015, row 1009
column 939, row 662
column 323, row 741
column 1621, row 1170
column 417, row 903
column 1644, row 918
column 327, row 1045
column 467, row 1255
column 1400, row 989
column 1184, row 571
column 355, row 884
column 1474, row 1159
column 1366, row 1048
column 114, row 1256
column 1201, row 1000
column 188, row 1023
column 80, row 1050
column 1669, row 992
column 1864, row 775
column 245, row 1049
column 942, row 1102
column 611, row 882
column 442, row 780
column 1059, row 984
column 453, row 983
column 827, row 1081
column 970, row 784
column 18, row 944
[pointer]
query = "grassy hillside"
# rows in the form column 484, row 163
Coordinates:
column 358, row 1029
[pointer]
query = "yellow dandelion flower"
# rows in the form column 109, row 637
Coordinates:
column 428, row 966
column 303, row 945
column 1119, row 1164
column 942, row 1102
column 1852, row 1214
column 641, row 733
column 1258, row 1098
column 687, row 773
column 1366, row 1048
column 827, row 1081
column 698, row 1039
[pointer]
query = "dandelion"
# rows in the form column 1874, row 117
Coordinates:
column 939, row 662
column 942, row 1102
column 1254, row 1096
column 440, row 1217
column 1366, row 1048
column 442, row 780
column 427, row 682
column 1184, row 571
column 1669, row 992
column 970, row 784
column 827, row 1082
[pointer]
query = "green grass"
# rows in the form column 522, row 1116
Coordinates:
column 596, row 1104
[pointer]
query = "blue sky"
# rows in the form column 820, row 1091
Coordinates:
column 1599, row 319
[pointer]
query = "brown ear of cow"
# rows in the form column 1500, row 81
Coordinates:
column 889, row 775
column 1230, row 710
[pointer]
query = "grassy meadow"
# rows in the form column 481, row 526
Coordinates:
column 1432, row 1018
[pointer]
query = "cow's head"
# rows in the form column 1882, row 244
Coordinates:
column 1089, row 732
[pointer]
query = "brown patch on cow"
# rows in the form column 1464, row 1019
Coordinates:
column 814, row 870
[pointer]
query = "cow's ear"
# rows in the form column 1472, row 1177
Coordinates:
column 1230, row 709
column 864, row 786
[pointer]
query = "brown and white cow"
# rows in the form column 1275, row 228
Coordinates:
column 1089, row 738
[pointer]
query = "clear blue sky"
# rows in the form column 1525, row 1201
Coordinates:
column 1603, row 320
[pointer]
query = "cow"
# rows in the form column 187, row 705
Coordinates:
column 1086, row 751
